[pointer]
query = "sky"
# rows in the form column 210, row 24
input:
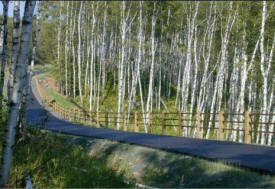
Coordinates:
column 10, row 13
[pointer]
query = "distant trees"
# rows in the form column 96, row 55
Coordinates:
column 187, row 56
column 20, row 74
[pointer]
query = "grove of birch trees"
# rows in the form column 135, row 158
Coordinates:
column 155, row 56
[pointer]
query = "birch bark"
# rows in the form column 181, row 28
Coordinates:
column 79, row 53
column 3, row 49
column 15, row 46
column 19, row 83
column 153, row 50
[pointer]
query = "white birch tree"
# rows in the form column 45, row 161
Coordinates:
column 17, row 93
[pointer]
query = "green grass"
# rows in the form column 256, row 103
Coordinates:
column 52, row 161
column 163, row 169
column 43, row 75
column 43, row 68
column 59, row 99
column 54, row 95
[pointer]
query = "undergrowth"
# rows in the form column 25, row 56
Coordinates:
column 53, row 162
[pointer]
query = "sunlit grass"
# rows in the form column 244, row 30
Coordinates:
column 43, row 68
column 59, row 99
column 53, row 162
column 54, row 95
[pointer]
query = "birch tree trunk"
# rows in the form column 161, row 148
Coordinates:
column 232, row 102
column 20, row 81
column 34, row 50
column 3, row 49
column 121, row 65
column 206, row 54
column 187, row 70
column 153, row 50
column 222, row 67
column 195, row 78
column 79, row 54
column 265, row 70
column 59, row 46
column 219, row 84
column 92, row 58
column 15, row 46
column 66, row 48
column 136, row 73
column 103, row 50
column 272, row 117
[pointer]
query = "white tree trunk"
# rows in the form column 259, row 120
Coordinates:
column 149, row 103
column 3, row 49
column 16, row 98
column 35, row 38
column 79, row 53
column 15, row 46
column 66, row 48
column 121, row 65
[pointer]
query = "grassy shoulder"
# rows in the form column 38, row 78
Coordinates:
column 52, row 161
column 54, row 95
column 163, row 169
column 59, row 99
column 42, row 68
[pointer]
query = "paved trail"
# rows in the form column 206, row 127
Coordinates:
column 252, row 156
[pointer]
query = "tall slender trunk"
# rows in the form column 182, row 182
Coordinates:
column 153, row 50
column 66, row 48
column 264, row 71
column 79, row 54
column 3, row 49
column 59, row 47
column 232, row 102
column 195, row 77
column 19, row 84
column 103, row 50
column 15, row 46
column 219, row 84
column 121, row 65
column 206, row 54
column 187, row 70
column 92, row 69
column 136, row 73
column 86, row 81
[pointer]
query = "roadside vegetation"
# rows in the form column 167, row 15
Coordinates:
column 163, row 169
column 53, row 162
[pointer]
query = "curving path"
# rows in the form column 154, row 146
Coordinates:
column 257, row 157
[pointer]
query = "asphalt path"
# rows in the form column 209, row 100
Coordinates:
column 261, row 158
